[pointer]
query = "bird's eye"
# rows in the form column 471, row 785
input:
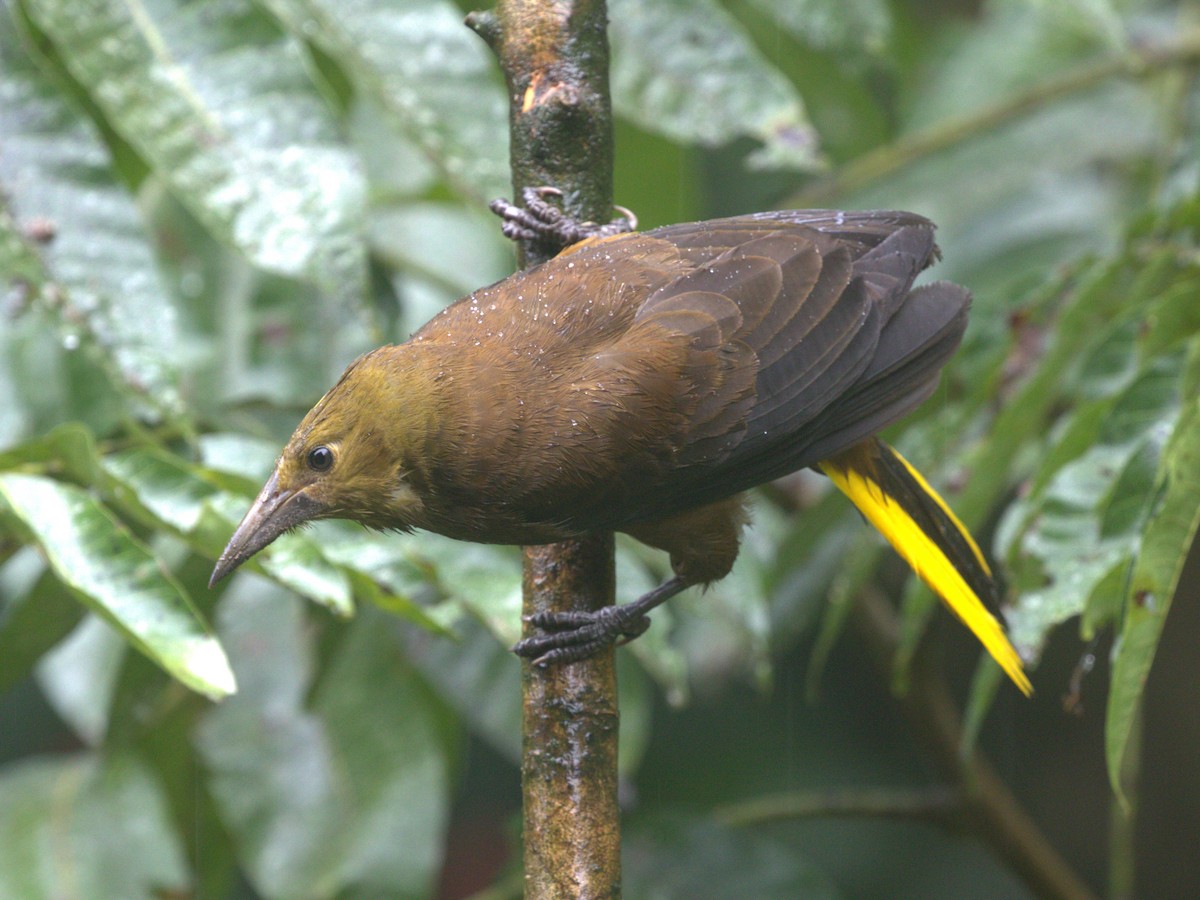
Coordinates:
column 320, row 458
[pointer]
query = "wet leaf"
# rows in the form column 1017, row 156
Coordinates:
column 31, row 623
column 69, row 449
column 320, row 797
column 686, row 69
column 1090, row 515
column 217, row 101
column 834, row 24
column 1164, row 546
column 89, row 828
column 683, row 857
column 190, row 502
column 72, row 240
column 118, row 577
column 417, row 61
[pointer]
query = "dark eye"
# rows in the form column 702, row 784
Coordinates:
column 320, row 458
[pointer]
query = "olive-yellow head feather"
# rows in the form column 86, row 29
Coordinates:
column 345, row 460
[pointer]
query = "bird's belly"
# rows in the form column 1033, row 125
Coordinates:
column 495, row 524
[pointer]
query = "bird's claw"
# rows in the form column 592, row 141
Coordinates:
column 572, row 636
column 541, row 220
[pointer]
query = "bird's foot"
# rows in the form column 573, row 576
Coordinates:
column 570, row 636
column 541, row 220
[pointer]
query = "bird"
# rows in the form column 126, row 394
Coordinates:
column 642, row 382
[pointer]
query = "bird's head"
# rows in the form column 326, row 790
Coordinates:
column 344, row 461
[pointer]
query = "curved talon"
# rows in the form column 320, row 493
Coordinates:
column 541, row 220
column 561, row 621
column 629, row 215
column 571, row 635
column 568, row 654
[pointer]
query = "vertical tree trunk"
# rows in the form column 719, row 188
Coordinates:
column 555, row 60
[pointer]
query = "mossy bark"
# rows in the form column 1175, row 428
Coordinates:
column 555, row 60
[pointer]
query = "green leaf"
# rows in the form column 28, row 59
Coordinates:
column 1024, row 442
column 686, row 69
column 173, row 492
column 218, row 102
column 684, row 857
column 376, row 708
column 417, row 61
column 1164, row 547
column 834, row 24
column 249, row 458
column 479, row 677
column 454, row 250
column 484, row 578
column 321, row 799
column 998, row 226
column 88, row 828
column 396, row 168
column 79, row 676
column 1089, row 517
column 72, row 239
column 296, row 560
column 69, row 448
column 117, row 576
column 1098, row 20
column 31, row 622
column 190, row 502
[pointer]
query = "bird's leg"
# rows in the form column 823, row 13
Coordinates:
column 540, row 220
column 572, row 636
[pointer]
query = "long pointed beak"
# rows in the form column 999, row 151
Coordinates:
column 273, row 513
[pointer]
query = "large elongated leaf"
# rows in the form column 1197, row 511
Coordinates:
column 72, row 239
column 118, row 577
column 1089, row 518
column 999, row 222
column 31, row 623
column 680, row 857
column 79, row 676
column 217, row 100
column 68, row 448
column 347, row 796
column 181, row 498
column 87, row 828
column 376, row 708
column 1164, row 547
column 418, row 61
column 195, row 504
column 834, row 24
column 687, row 70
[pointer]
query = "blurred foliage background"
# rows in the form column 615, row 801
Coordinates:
column 208, row 208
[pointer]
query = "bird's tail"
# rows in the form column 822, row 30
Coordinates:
column 893, row 497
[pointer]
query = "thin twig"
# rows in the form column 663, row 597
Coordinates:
column 939, row 805
column 555, row 62
column 908, row 149
column 990, row 810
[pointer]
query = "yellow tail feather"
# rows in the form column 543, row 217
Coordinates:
column 921, row 551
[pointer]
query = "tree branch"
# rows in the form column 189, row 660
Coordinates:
column 988, row 807
column 910, row 148
column 938, row 805
column 555, row 61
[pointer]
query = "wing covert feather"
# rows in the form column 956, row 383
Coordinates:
column 704, row 358
column 829, row 343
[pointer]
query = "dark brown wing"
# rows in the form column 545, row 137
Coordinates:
column 672, row 368
column 821, row 341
